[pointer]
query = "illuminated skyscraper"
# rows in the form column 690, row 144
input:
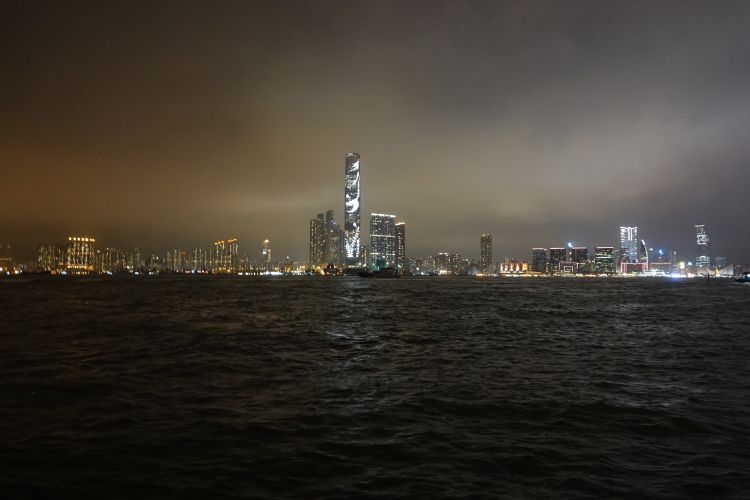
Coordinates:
column 629, row 244
column 383, row 238
column 352, row 202
column 485, row 253
column 539, row 260
column 556, row 256
column 401, row 245
column 80, row 254
column 317, row 233
column 265, row 255
column 604, row 262
column 702, row 249
column 225, row 257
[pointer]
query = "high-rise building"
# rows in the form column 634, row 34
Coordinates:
column 629, row 244
column 556, row 257
column 352, row 203
column 135, row 260
column 447, row 263
column 265, row 255
column 383, row 239
column 225, row 257
column 579, row 255
column 401, row 245
column 199, row 261
column 317, row 233
column 331, row 241
column 50, row 258
column 80, row 255
column 539, row 260
column 643, row 255
column 485, row 253
column 604, row 260
column 702, row 249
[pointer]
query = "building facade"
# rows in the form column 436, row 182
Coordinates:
column 80, row 254
column 352, row 208
column 539, row 260
column 383, row 239
column 556, row 257
column 702, row 249
column 401, row 246
column 629, row 244
column 604, row 260
column 265, row 256
column 485, row 254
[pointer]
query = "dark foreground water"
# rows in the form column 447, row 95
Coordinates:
column 344, row 387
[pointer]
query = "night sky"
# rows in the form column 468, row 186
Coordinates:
column 173, row 124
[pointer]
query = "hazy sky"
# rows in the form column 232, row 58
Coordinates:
column 172, row 124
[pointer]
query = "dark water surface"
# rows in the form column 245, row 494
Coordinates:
column 344, row 387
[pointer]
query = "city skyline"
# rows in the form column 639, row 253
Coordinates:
column 170, row 125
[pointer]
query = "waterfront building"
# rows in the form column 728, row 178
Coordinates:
column 644, row 257
column 629, row 244
column 332, row 241
column 604, row 262
column 556, row 257
column 401, row 262
column 265, row 256
column 352, row 202
column 539, row 260
column 485, row 253
column 80, row 254
column 199, row 261
column 317, row 232
column 50, row 258
column 383, row 239
column 702, row 250
column 111, row 260
column 225, row 256
column 580, row 256
column 446, row 263
column 512, row 266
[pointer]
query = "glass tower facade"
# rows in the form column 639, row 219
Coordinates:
column 702, row 249
column 629, row 244
column 383, row 239
column 352, row 201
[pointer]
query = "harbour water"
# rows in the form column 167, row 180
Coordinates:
column 198, row 387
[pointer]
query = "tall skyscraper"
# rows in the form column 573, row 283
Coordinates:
column 556, row 256
column 485, row 253
column 702, row 249
column 265, row 255
column 383, row 238
column 629, row 244
column 604, row 261
column 539, row 260
column 317, row 233
column 352, row 202
column 401, row 245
